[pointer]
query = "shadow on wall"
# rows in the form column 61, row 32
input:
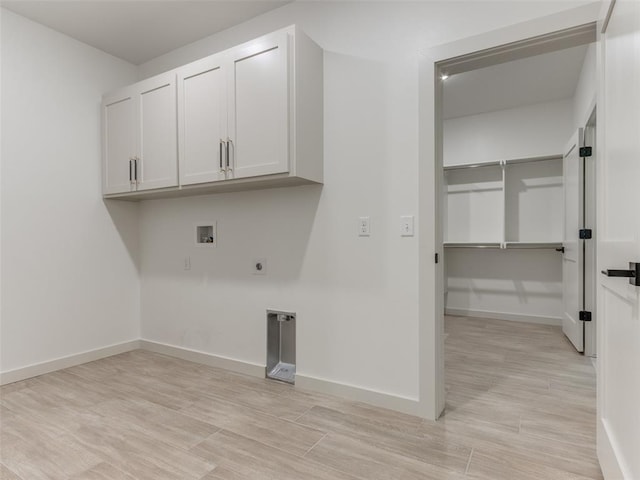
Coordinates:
column 365, row 154
column 272, row 226
column 125, row 218
column 522, row 276
column 311, row 227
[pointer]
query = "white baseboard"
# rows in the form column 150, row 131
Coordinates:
column 514, row 317
column 65, row 362
column 607, row 454
column 304, row 382
column 379, row 399
column 196, row 356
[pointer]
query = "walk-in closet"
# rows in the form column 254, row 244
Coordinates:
column 516, row 190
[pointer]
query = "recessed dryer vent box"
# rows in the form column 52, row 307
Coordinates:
column 206, row 235
column 281, row 346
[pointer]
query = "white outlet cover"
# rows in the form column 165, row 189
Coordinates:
column 364, row 227
column 259, row 266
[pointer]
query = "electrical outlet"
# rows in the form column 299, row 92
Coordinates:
column 364, row 226
column 259, row 266
column 406, row 226
column 187, row 263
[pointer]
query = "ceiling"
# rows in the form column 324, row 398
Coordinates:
column 542, row 78
column 138, row 31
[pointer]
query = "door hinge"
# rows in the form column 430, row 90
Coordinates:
column 436, row 258
column 584, row 316
column 585, row 152
column 585, row 234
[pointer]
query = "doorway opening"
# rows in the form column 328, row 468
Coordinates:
column 517, row 204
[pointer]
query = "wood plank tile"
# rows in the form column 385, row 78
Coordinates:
column 520, row 404
column 540, row 379
column 487, row 466
column 6, row 474
column 162, row 423
column 366, row 461
column 283, row 434
column 557, row 454
column 559, row 427
column 435, row 450
column 272, row 402
column 32, row 453
column 221, row 473
column 103, row 471
column 255, row 460
column 138, row 454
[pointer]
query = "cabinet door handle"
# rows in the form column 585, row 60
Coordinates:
column 221, row 147
column 135, row 169
column 130, row 172
column 229, row 145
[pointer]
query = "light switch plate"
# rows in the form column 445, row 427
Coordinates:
column 406, row 226
column 364, row 226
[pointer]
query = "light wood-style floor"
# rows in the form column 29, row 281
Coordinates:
column 520, row 405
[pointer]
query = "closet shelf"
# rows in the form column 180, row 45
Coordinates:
column 472, row 244
column 511, row 161
column 471, row 165
column 505, row 245
column 514, row 161
column 538, row 245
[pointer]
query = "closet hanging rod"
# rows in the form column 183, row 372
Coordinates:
column 507, row 245
column 533, row 245
column 514, row 161
column 470, row 245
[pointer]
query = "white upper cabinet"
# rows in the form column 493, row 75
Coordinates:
column 118, row 142
column 202, row 120
column 157, row 153
column 251, row 116
column 259, row 107
column 140, row 136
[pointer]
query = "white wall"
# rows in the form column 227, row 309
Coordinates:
column 356, row 297
column 531, row 131
column 585, row 94
column 511, row 284
column 520, row 284
column 516, row 284
column 68, row 264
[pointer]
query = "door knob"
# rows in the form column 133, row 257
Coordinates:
column 633, row 274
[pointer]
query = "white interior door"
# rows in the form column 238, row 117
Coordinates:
column 618, row 244
column 573, row 257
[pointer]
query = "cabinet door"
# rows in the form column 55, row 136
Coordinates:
column 157, row 133
column 259, row 107
column 118, row 143
column 202, row 121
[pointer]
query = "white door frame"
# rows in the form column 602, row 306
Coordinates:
column 590, row 257
column 486, row 49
